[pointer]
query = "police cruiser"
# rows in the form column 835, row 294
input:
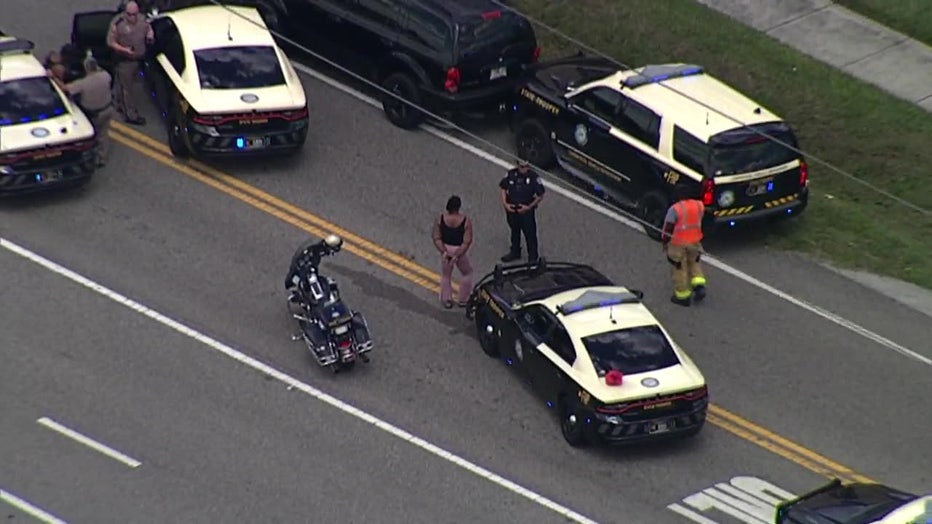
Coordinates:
column 591, row 350
column 221, row 83
column 46, row 141
column 632, row 135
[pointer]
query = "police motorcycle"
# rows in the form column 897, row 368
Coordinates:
column 335, row 335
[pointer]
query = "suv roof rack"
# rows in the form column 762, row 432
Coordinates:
column 651, row 74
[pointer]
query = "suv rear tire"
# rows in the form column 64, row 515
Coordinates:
column 397, row 112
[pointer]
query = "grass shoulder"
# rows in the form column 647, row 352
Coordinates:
column 839, row 119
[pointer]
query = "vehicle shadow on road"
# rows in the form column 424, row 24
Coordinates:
column 403, row 299
column 50, row 197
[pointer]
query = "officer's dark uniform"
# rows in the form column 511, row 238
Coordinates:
column 522, row 188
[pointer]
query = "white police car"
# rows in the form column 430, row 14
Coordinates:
column 46, row 141
column 222, row 84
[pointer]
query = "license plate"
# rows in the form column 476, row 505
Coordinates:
column 49, row 177
column 498, row 72
column 659, row 427
column 252, row 142
column 759, row 188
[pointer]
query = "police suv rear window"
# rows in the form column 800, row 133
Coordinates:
column 492, row 29
column 633, row 350
column 238, row 67
column 753, row 152
column 29, row 100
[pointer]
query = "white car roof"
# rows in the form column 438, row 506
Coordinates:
column 687, row 99
column 917, row 511
column 210, row 26
column 16, row 65
column 594, row 319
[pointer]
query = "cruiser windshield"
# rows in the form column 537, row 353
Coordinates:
column 744, row 151
column 633, row 350
column 29, row 100
column 238, row 67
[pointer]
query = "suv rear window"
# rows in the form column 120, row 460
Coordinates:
column 238, row 67
column 745, row 151
column 492, row 29
column 29, row 100
column 633, row 350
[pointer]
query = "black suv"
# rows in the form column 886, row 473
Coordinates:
column 449, row 56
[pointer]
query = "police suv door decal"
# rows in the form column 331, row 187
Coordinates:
column 581, row 135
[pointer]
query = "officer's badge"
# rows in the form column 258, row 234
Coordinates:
column 581, row 135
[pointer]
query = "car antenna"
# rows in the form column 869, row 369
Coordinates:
column 611, row 313
column 229, row 27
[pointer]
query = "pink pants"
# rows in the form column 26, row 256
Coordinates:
column 446, row 276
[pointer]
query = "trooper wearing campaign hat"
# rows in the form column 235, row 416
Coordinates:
column 521, row 193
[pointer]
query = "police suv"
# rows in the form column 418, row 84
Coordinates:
column 222, row 84
column 631, row 135
column 46, row 141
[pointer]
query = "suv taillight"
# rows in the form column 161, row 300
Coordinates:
column 803, row 173
column 452, row 83
column 536, row 56
column 708, row 191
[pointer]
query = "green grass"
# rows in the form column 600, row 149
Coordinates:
column 839, row 119
column 910, row 17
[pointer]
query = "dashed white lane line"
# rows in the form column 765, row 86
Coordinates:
column 89, row 442
column 295, row 384
column 620, row 218
column 29, row 508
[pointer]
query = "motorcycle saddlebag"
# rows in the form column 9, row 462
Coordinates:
column 361, row 333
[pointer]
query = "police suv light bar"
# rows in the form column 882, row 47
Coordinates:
column 652, row 74
column 12, row 45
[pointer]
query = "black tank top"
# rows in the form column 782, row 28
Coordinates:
column 452, row 236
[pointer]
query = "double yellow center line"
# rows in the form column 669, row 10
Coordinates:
column 430, row 280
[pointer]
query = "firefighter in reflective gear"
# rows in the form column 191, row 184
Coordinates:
column 682, row 242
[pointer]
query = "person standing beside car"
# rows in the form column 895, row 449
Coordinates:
column 92, row 93
column 682, row 242
column 128, row 36
column 452, row 237
column 522, row 191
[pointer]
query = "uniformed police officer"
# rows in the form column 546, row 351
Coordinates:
column 92, row 93
column 128, row 36
column 682, row 242
column 522, row 191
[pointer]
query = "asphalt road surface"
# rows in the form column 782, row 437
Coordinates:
column 216, row 440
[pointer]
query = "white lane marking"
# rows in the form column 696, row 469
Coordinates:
column 618, row 217
column 89, row 442
column 29, row 508
column 745, row 499
column 295, row 384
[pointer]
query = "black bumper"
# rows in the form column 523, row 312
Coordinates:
column 22, row 182
column 791, row 208
column 203, row 144
column 493, row 98
column 609, row 430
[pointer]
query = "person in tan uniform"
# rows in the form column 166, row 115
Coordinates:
column 93, row 94
column 128, row 36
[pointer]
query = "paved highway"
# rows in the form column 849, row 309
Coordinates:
column 206, row 249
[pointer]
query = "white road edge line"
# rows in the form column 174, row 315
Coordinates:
column 89, row 442
column 295, row 384
column 28, row 508
column 618, row 217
